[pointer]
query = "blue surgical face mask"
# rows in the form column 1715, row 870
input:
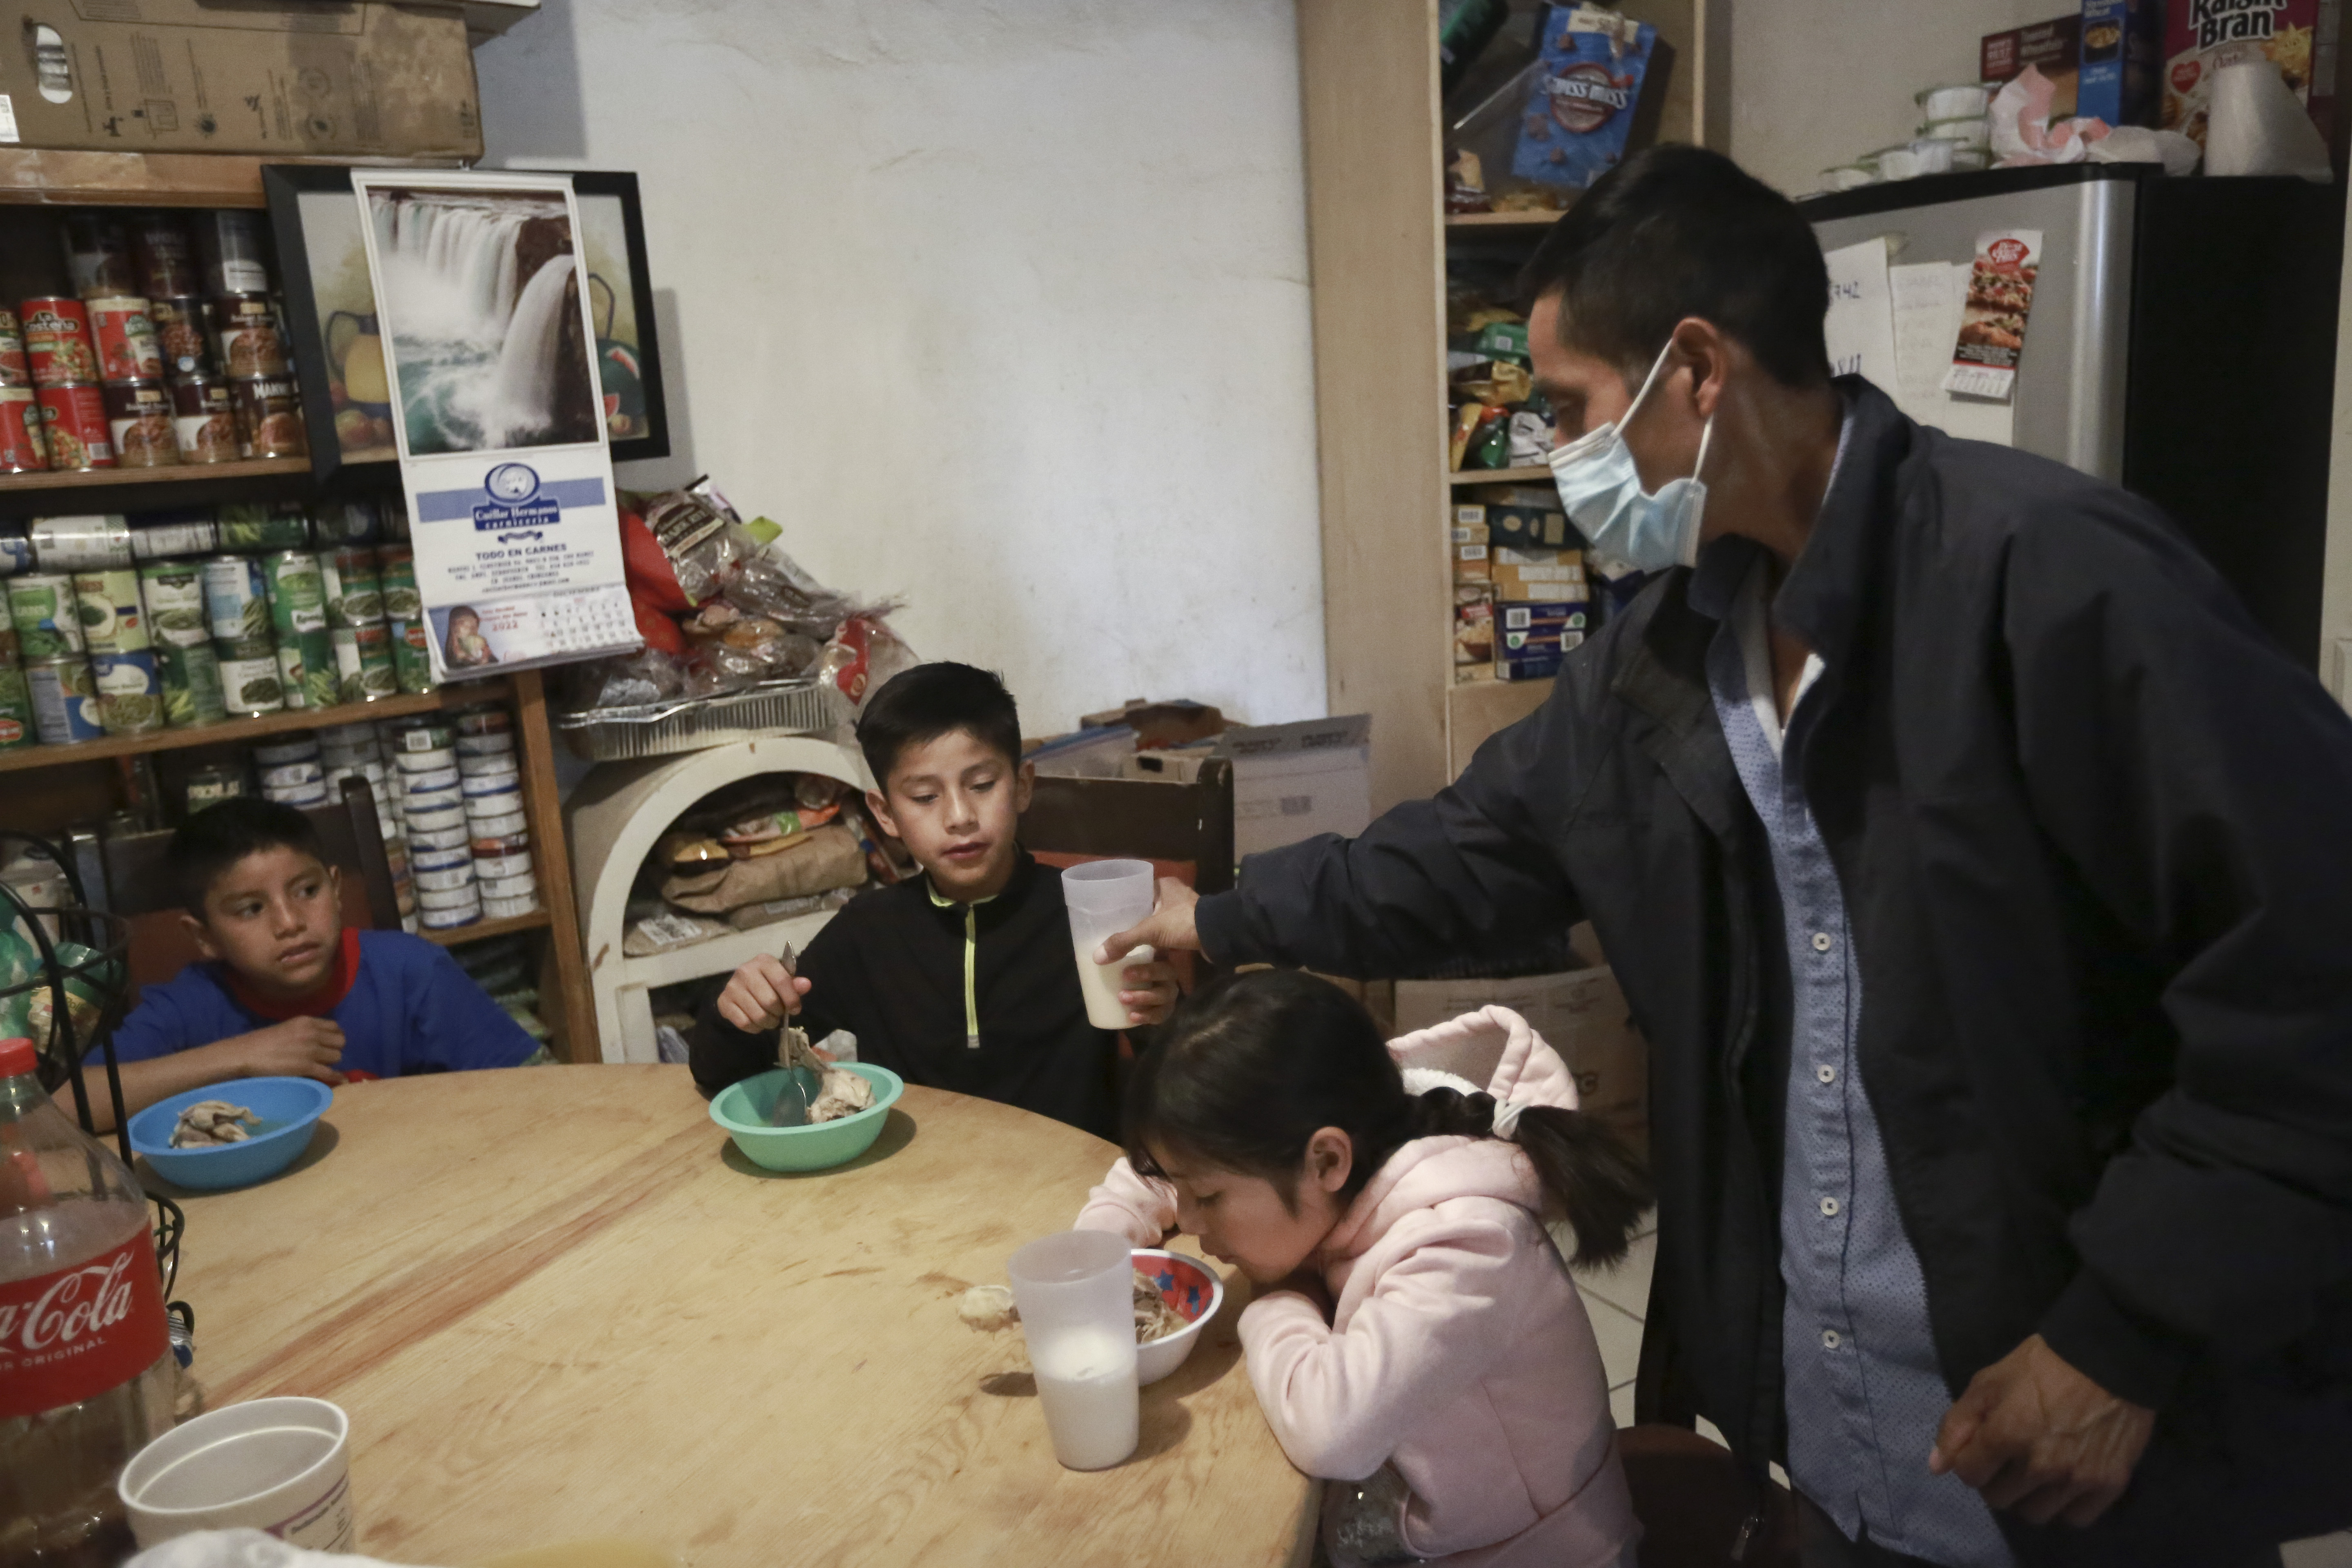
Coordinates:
column 1602, row 491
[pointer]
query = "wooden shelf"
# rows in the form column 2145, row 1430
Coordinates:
column 235, row 731
column 33, row 176
column 482, row 931
column 1535, row 222
column 153, row 489
column 1537, row 474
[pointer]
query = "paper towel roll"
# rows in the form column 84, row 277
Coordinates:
column 2256, row 127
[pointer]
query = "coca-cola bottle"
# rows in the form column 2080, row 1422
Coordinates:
column 86, row 1373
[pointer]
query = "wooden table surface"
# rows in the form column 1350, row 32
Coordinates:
column 558, row 1304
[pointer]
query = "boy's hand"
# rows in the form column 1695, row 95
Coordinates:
column 299, row 1047
column 762, row 994
column 1149, row 990
column 1167, row 929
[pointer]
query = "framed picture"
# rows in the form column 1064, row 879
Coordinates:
column 334, row 327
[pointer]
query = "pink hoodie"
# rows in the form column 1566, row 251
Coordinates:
column 1459, row 1350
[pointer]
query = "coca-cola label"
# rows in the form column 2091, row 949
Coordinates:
column 71, row 1335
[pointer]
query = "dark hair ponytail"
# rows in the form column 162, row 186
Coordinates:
column 1600, row 1188
column 1252, row 1066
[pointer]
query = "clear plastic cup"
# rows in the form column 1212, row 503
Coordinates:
column 1077, row 1313
column 1104, row 897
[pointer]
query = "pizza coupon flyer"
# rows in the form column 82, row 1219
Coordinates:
column 1992, row 324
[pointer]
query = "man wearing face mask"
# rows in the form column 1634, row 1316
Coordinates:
column 1980, row 875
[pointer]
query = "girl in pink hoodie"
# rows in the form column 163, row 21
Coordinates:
column 1415, row 1334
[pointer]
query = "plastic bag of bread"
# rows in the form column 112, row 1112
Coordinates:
column 814, row 862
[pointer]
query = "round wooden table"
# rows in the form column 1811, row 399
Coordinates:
column 558, row 1304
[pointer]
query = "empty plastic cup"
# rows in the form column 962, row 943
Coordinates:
column 1077, row 1312
column 1104, row 897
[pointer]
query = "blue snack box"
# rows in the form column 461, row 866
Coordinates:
column 2122, row 56
column 1588, row 83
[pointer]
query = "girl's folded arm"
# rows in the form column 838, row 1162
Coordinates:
column 1438, row 1320
column 1141, row 1208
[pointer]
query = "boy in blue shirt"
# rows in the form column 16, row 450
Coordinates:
column 287, row 991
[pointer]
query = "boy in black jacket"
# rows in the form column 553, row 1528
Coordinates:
column 963, row 978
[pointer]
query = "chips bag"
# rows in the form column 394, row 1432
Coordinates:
column 1579, row 114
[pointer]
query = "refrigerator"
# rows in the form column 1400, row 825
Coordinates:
column 2181, row 342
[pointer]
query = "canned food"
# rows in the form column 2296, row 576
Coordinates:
column 191, row 676
column 395, row 567
column 498, row 745
column 181, row 335
column 246, row 336
column 130, row 692
column 249, row 682
column 436, row 820
column 203, row 425
column 450, row 920
column 304, row 796
column 229, row 251
column 494, row 829
column 354, row 595
column 461, row 897
column 58, row 348
column 172, row 593
column 251, row 525
column 13, row 371
column 432, row 782
column 429, row 799
column 269, row 418
column 519, row 887
column 24, row 449
column 306, row 667
column 498, row 807
column 426, row 735
column 297, row 748
column 106, row 600
column 440, row 859
column 348, row 522
column 41, row 609
column 65, row 702
column 74, row 426
column 125, row 336
column 164, row 534
column 139, row 418
column 16, row 710
column 297, row 596
column 237, row 600
column 97, row 254
column 496, row 868
column 214, row 782
column 508, row 908
column 286, row 775
column 72, row 543
column 363, row 662
column 10, row 657
column 443, row 881
column 161, row 257
column 430, row 838
column 434, row 759
column 489, row 781
column 15, row 549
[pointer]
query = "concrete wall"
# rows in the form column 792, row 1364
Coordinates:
column 998, row 304
column 1818, row 82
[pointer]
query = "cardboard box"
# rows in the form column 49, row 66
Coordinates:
column 1474, row 631
column 1469, row 525
column 360, row 79
column 1536, row 584
column 2052, row 48
column 2201, row 37
column 1294, row 781
column 1581, row 1014
column 2122, row 61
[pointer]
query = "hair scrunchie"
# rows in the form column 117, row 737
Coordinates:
column 1506, row 1118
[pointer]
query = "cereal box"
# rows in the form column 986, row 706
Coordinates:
column 1580, row 112
column 2053, row 48
column 2122, row 59
column 2202, row 35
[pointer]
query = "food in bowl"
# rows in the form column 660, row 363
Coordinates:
column 211, row 1122
column 988, row 1308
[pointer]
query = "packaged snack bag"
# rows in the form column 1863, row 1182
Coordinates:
column 1579, row 114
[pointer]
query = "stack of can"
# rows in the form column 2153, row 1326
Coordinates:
column 237, row 611
column 350, row 751
column 187, row 667
column 121, row 655
column 355, row 623
column 23, row 447
column 63, row 363
column 431, row 808
column 404, row 623
column 298, row 618
column 55, row 660
column 291, row 771
column 15, row 703
column 490, row 781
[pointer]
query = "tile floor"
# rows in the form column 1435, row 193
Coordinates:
column 1615, row 1299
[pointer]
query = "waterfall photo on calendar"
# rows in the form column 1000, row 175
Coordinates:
column 481, row 289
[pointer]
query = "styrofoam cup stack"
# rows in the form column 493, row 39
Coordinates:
column 290, row 772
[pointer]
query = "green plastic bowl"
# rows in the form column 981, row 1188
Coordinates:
column 744, row 1109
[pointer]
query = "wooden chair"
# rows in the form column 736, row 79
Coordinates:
column 1693, row 1499
column 138, row 889
column 1182, row 822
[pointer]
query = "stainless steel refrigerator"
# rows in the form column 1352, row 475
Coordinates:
column 2182, row 342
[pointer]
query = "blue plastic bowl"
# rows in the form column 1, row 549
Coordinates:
column 744, row 1109
column 289, row 1109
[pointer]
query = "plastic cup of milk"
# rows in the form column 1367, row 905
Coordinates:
column 1104, row 897
column 277, row 1464
column 1077, row 1312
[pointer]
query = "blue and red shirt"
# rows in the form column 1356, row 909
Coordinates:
column 403, row 1004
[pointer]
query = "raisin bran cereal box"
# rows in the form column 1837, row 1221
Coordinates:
column 1579, row 114
column 2202, row 35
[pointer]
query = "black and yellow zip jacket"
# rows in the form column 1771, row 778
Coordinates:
column 979, row 998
